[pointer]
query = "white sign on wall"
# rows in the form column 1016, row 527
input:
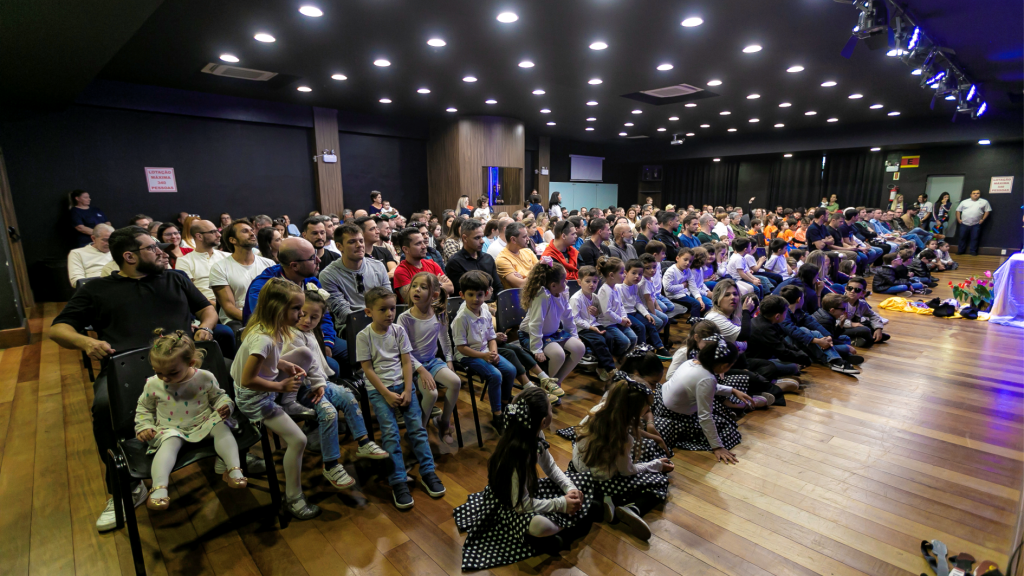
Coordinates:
column 1001, row 185
column 161, row 180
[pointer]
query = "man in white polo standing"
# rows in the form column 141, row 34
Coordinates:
column 970, row 215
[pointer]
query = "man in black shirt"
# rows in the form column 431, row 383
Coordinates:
column 648, row 229
column 594, row 247
column 124, row 309
column 315, row 232
column 820, row 238
column 371, row 235
column 667, row 224
column 472, row 257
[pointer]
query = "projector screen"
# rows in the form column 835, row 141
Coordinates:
column 586, row 168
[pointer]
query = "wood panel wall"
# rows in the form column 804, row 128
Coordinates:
column 459, row 149
column 330, row 199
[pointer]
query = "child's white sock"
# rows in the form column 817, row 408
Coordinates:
column 543, row 375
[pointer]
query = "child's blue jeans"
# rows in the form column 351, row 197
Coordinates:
column 902, row 288
column 620, row 339
column 415, row 433
column 645, row 331
column 669, row 307
column 498, row 378
column 694, row 307
column 327, row 415
column 598, row 346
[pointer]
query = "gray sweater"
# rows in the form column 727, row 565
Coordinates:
column 343, row 286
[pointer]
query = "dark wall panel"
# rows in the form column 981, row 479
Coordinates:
column 397, row 167
column 221, row 165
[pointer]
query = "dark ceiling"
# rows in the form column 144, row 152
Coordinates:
column 180, row 37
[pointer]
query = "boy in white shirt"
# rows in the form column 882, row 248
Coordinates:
column 777, row 262
column 738, row 267
column 585, row 311
column 643, row 323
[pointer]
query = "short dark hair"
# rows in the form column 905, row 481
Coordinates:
column 773, row 305
column 690, row 218
column 819, row 212
column 474, row 280
column 374, row 194
column 311, row 221
column 888, row 258
column 850, row 213
column 346, row 230
column 513, row 230
column 596, row 225
column 405, row 236
column 634, row 263
column 561, row 226
column 776, row 245
column 125, row 240
column 835, row 216
column 470, row 226
column 654, row 247
column 646, row 259
column 645, row 222
column 858, row 280
column 229, row 230
column 376, row 294
column 833, row 301
column 490, row 227
column 808, row 273
column 587, row 271
column 666, row 217
column 791, row 293
column 138, row 217
column 929, row 254
column 740, row 243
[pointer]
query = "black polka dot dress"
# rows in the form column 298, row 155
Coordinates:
column 684, row 431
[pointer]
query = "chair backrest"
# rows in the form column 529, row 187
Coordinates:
column 127, row 373
column 574, row 287
column 354, row 324
column 510, row 312
column 454, row 303
column 215, row 364
column 399, row 308
column 81, row 281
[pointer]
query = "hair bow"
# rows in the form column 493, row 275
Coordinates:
column 323, row 293
column 518, row 413
column 547, row 260
column 639, row 351
column 722, row 349
column 311, row 286
column 635, row 385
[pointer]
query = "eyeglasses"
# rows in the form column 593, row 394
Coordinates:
column 359, row 283
column 152, row 248
column 854, row 290
column 312, row 258
column 214, row 231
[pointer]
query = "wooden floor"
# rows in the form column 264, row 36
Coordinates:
column 847, row 479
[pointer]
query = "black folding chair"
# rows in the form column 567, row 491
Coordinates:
column 85, row 357
column 574, row 287
column 354, row 324
column 127, row 373
column 454, row 303
column 510, row 315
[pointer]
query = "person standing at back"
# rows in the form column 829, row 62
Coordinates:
column 970, row 215
column 84, row 217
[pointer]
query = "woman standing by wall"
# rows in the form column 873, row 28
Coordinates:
column 84, row 216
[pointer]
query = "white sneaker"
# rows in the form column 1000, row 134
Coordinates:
column 108, row 518
column 603, row 374
column 550, row 385
column 339, row 478
column 372, row 451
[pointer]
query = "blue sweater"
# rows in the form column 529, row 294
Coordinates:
column 253, row 294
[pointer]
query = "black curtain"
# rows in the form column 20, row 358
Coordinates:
column 857, row 178
column 795, row 182
column 700, row 182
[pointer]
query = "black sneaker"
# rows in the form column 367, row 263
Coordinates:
column 499, row 425
column 403, row 499
column 854, row 359
column 663, row 353
column 432, row 484
column 630, row 516
column 843, row 367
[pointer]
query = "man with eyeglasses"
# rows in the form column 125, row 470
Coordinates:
column 124, row 309
column 198, row 264
column 314, row 230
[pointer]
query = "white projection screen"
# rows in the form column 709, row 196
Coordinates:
column 585, row 168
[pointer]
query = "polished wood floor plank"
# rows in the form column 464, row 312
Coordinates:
column 16, row 481
column 52, row 541
column 10, row 365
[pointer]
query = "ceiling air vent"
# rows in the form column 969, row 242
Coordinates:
column 240, row 73
column 672, row 91
column 639, row 137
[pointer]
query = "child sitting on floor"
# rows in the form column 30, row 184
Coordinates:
column 942, row 256
column 890, row 277
column 804, row 331
column 921, row 268
column 865, row 323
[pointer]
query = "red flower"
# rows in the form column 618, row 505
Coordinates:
column 950, row 284
column 988, row 274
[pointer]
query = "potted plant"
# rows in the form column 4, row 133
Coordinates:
column 974, row 291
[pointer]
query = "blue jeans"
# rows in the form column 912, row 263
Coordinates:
column 620, row 339
column 645, row 331
column 225, row 338
column 667, row 306
column 498, row 378
column 785, row 368
column 694, row 307
column 339, row 356
column 660, row 319
column 415, row 433
column 923, row 234
column 598, row 346
column 815, row 351
column 915, row 239
column 969, row 239
column 710, row 284
column 874, row 253
column 327, row 414
column 902, row 288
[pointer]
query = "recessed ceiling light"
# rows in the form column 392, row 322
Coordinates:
column 304, row 89
column 787, row 155
column 661, row 129
column 876, row 149
column 828, row 84
column 545, row 111
column 716, row 159
column 810, row 113
column 754, row 120
column 381, row 62
column 491, row 101
column 785, row 105
column 451, row 109
column 589, row 129
column 592, row 103
column 705, row 125
column 793, row 69
column 916, row 72
column 622, row 133
column 424, row 91
column 538, row 92
column 385, row 100
column 780, row 125
column 551, row 123
column 751, row 49
column 628, row 124
column 594, row 81
column 664, row 67
column 894, row 113
column 526, row 64
column 591, row 119
column 714, row 82
column 753, row 97
column 724, row 113
column 229, row 58
column 469, row 79
column 638, row 111
column 507, row 17
column 690, row 104
column 339, row 77
column 876, row 106
column 690, row 134
column 731, row 130
column 263, row 37
column 436, row 42
column 692, row 21
column 984, row 142
column 673, row 118
column 598, row 46
column 855, row 96
column 311, row 11
column 833, row 120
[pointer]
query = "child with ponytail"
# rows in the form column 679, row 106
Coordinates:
column 548, row 330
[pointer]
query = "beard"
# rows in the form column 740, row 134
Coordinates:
column 150, row 268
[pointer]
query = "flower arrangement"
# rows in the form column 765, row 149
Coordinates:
column 974, row 291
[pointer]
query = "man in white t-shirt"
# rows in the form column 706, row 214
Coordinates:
column 499, row 243
column 198, row 263
column 970, row 215
column 231, row 276
column 89, row 260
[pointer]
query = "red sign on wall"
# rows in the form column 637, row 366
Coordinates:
column 910, row 162
column 161, row 180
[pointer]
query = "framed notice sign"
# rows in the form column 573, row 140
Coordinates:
column 1001, row 185
column 161, row 180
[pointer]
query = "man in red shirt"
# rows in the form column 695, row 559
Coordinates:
column 560, row 249
column 414, row 246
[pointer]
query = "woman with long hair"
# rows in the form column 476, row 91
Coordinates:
column 940, row 216
column 84, row 216
column 453, row 242
column 463, row 208
column 555, row 207
column 169, row 234
column 269, row 241
column 186, row 230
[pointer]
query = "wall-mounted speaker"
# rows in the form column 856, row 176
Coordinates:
column 651, row 174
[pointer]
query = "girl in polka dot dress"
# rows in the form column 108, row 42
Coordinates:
column 518, row 516
column 180, row 404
